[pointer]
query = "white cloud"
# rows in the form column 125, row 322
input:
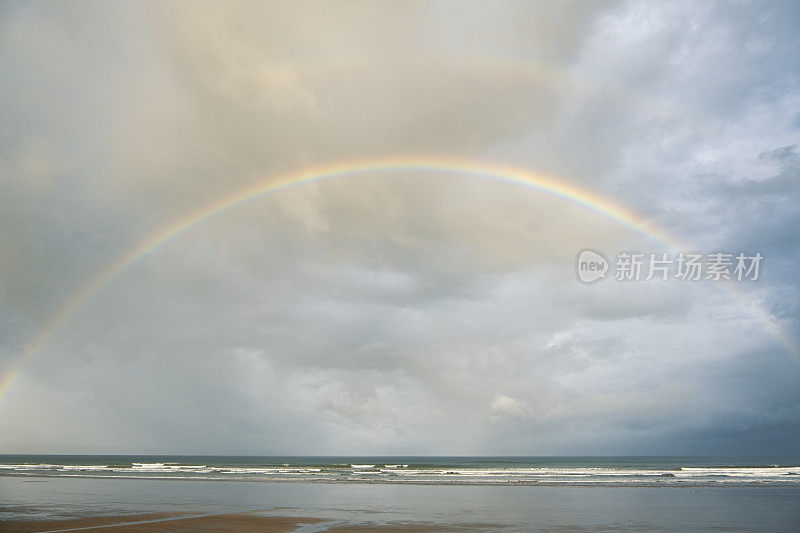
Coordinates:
column 397, row 311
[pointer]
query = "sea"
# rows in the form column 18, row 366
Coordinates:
column 676, row 493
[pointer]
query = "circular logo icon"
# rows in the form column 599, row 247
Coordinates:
column 591, row 266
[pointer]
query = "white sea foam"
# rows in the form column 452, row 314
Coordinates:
column 421, row 474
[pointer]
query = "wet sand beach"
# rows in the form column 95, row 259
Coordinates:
column 237, row 522
column 39, row 504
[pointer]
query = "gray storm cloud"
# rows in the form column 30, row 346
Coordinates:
column 395, row 311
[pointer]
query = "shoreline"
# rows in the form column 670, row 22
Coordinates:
column 659, row 483
column 52, row 505
column 241, row 522
column 173, row 522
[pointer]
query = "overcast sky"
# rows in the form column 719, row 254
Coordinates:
column 397, row 312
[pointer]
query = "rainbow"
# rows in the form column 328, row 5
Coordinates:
column 273, row 184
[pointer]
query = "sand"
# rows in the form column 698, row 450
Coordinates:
column 238, row 522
